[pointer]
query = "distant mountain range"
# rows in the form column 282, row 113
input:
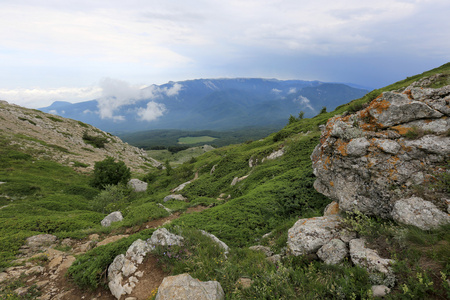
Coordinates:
column 215, row 104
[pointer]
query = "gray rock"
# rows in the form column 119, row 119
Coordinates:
column 388, row 146
column 221, row 244
column 368, row 258
column 308, row 235
column 418, row 212
column 138, row 185
column 274, row 258
column 111, row 218
column 174, row 197
column 346, row 236
column 183, row 286
column 333, row 252
column 138, row 250
column 37, row 242
column 264, row 249
column 380, row 290
column 163, row 237
column 276, row 154
column 358, row 146
column 181, row 186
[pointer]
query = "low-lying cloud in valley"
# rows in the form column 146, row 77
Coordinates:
column 117, row 94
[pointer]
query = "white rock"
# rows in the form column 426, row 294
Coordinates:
column 111, row 218
column 174, row 197
column 221, row 244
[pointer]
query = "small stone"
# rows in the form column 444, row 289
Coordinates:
column 331, row 209
column 94, row 237
column 263, row 249
column 55, row 262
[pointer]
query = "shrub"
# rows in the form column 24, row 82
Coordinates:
column 96, row 141
column 108, row 171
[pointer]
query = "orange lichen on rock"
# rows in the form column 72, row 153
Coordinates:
column 409, row 94
column 341, row 146
column 331, row 183
column 401, row 129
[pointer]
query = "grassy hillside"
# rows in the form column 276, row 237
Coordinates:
column 44, row 197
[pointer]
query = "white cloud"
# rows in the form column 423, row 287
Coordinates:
column 151, row 112
column 292, row 91
column 118, row 93
column 304, row 102
column 276, row 91
column 40, row 97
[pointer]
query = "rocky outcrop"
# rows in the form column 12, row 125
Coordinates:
column 163, row 237
column 374, row 159
column 183, row 286
column 111, row 218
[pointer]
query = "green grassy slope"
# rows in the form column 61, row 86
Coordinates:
column 49, row 198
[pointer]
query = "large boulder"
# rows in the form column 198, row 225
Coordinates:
column 183, row 287
column 111, row 218
column 40, row 241
column 308, row 235
column 370, row 160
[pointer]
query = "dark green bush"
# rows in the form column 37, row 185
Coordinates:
column 108, row 171
column 96, row 141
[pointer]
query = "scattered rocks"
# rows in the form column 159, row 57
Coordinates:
column 183, row 286
column 138, row 185
column 238, row 179
column 111, row 218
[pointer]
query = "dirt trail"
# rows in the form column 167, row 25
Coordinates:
column 56, row 285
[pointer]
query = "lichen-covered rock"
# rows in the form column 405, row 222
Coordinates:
column 308, row 235
column 368, row 258
column 333, row 252
column 418, row 212
column 183, row 286
column 163, row 237
column 369, row 160
column 111, row 218
column 37, row 242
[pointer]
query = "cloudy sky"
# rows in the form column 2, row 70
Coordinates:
column 63, row 50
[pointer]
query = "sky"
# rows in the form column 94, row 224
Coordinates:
column 63, row 50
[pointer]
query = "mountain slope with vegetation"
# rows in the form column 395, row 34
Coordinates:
column 250, row 194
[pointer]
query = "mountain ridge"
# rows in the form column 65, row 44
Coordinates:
column 216, row 104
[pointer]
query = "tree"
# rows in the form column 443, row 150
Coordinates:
column 108, row 171
column 301, row 115
column 292, row 119
column 323, row 110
